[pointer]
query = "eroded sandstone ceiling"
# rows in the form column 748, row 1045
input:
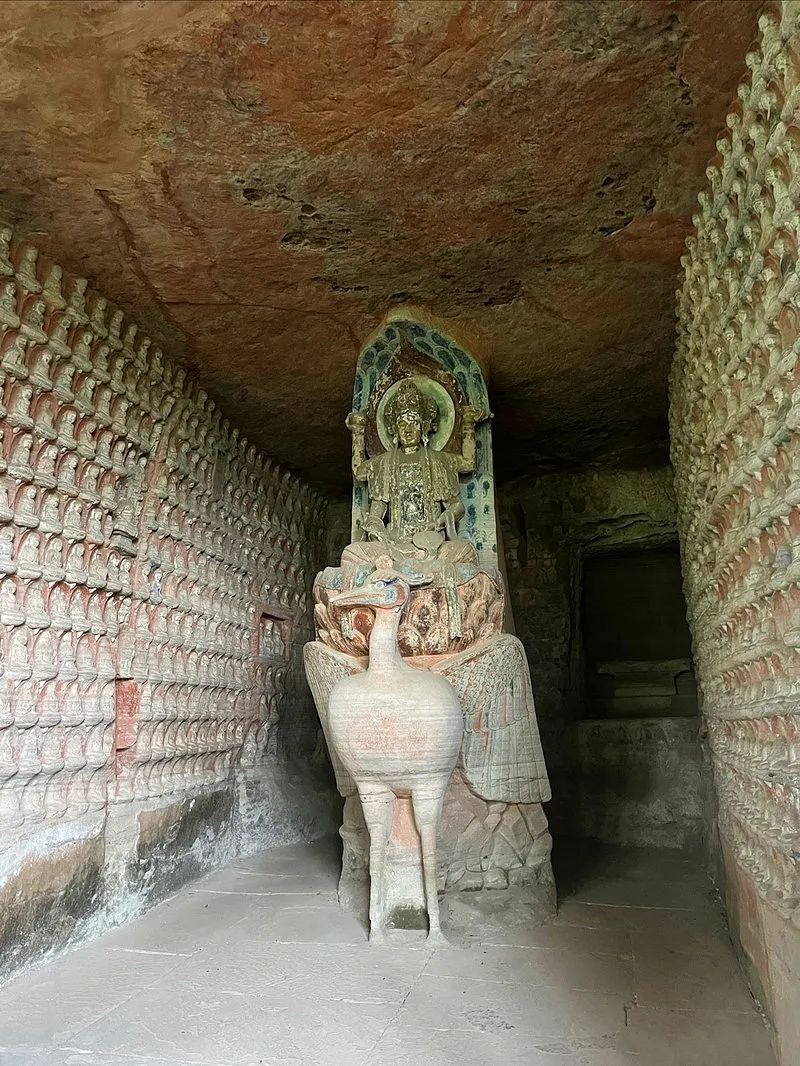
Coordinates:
column 260, row 181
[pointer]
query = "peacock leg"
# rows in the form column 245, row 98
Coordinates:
column 427, row 803
column 377, row 802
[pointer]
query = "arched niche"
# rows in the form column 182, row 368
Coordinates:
column 405, row 347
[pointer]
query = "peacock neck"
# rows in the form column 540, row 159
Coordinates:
column 384, row 655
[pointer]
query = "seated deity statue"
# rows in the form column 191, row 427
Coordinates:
column 414, row 503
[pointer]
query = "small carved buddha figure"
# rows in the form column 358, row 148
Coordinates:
column 26, row 512
column 113, row 581
column 84, row 658
column 88, row 483
column 53, row 563
column 11, row 613
column 44, row 418
column 76, row 304
column 18, row 667
column 6, row 511
column 67, row 474
column 79, row 623
column 94, row 526
column 8, row 563
column 45, row 663
column 82, row 350
column 19, row 462
column 117, row 373
column 13, row 361
column 66, row 427
column 19, row 406
column 76, row 565
column 86, row 445
column 33, row 322
column 36, row 615
column 413, row 485
column 129, row 339
column 49, row 520
column 84, row 394
column 100, row 363
column 97, row 317
column 63, row 373
column 46, row 465
column 8, row 305
column 58, row 341
column 141, row 354
column 58, row 606
column 97, row 569
column 51, row 290
column 6, row 267
column 26, row 270
column 28, row 561
column 114, row 331
column 94, row 613
column 74, row 523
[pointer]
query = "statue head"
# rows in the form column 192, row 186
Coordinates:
column 410, row 415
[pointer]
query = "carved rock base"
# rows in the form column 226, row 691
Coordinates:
column 481, row 845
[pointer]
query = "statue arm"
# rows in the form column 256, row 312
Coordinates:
column 373, row 525
column 356, row 422
column 465, row 462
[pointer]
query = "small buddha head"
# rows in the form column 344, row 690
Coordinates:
column 410, row 416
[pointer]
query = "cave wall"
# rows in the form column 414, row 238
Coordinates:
column 154, row 599
column 636, row 780
column 736, row 452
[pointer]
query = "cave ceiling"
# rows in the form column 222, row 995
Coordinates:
column 260, row 182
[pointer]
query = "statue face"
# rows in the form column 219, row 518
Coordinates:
column 409, row 430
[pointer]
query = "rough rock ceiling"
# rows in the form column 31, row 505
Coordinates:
column 261, row 181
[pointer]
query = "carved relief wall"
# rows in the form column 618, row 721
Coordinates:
column 154, row 578
column 736, row 451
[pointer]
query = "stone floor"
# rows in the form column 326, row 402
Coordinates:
column 258, row 964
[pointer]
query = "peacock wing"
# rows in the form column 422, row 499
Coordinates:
column 324, row 667
column 501, row 750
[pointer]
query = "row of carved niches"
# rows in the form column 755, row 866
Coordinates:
column 770, row 807
column 148, row 660
column 770, row 743
column 774, row 870
column 276, row 512
column 26, row 799
column 233, row 565
column 73, row 373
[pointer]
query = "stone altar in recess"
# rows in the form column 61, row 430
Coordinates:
column 423, row 508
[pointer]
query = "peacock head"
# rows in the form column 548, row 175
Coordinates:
column 385, row 589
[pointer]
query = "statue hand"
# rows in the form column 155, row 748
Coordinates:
column 471, row 414
column 373, row 527
column 446, row 522
column 356, row 422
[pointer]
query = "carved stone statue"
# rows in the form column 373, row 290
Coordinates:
column 411, row 484
column 424, row 512
column 397, row 732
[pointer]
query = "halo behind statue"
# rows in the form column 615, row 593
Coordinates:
column 445, row 419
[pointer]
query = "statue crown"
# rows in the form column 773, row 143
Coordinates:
column 408, row 400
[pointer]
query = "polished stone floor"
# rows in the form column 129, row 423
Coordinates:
column 258, row 964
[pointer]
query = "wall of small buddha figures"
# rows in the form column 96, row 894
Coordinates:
column 735, row 415
column 154, row 580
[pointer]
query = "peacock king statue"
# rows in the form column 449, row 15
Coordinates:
column 421, row 574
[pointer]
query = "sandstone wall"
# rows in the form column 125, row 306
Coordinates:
column 736, row 452
column 154, row 598
column 638, row 780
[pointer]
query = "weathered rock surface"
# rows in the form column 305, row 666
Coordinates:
column 262, row 180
